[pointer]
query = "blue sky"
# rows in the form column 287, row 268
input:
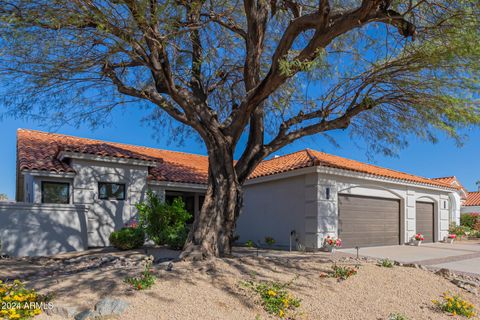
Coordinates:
column 421, row 158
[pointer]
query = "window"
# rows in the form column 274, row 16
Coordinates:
column 111, row 191
column 55, row 192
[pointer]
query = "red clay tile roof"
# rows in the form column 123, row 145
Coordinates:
column 39, row 150
column 473, row 199
column 452, row 181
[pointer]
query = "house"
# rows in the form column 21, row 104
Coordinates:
column 472, row 203
column 73, row 192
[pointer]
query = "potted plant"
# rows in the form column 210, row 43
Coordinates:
column 331, row 243
column 450, row 238
column 417, row 239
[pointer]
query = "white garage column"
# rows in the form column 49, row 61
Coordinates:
column 410, row 216
column 443, row 216
column 320, row 211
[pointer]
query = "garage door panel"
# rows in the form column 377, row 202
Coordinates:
column 425, row 220
column 367, row 221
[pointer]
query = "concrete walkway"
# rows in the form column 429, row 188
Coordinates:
column 463, row 256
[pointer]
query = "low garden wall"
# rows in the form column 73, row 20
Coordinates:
column 28, row 229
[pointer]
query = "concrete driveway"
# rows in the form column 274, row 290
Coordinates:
column 463, row 256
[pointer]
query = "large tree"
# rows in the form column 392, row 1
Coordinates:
column 269, row 72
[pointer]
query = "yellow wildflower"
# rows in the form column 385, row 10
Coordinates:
column 281, row 313
column 271, row 293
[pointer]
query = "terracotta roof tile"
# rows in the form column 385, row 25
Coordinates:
column 39, row 150
column 452, row 181
column 473, row 199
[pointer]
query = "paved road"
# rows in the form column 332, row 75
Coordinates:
column 461, row 256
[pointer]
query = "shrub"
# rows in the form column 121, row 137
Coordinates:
column 275, row 298
column 127, row 238
column 269, row 241
column 455, row 305
column 164, row 224
column 18, row 302
column 387, row 263
column 249, row 244
column 343, row 272
column 469, row 219
column 396, row 316
column 146, row 278
column 459, row 231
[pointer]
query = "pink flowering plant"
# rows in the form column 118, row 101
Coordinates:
column 332, row 242
column 419, row 237
column 132, row 223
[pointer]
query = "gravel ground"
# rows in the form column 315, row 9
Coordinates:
column 211, row 290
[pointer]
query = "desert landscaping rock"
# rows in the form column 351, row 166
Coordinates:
column 63, row 311
column 87, row 315
column 109, row 306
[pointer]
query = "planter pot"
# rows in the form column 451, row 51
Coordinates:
column 449, row 240
column 417, row 242
column 329, row 249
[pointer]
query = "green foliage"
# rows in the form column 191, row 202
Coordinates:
column 250, row 244
column 146, row 279
column 269, row 241
column 343, row 272
column 127, row 238
column 397, row 316
column 275, row 297
column 386, row 263
column 164, row 223
column 459, row 231
column 470, row 220
column 455, row 305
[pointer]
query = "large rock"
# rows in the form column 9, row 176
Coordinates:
column 64, row 311
column 87, row 315
column 108, row 306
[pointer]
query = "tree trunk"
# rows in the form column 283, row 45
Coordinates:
column 213, row 229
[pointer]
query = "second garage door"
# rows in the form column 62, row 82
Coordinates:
column 367, row 221
column 424, row 221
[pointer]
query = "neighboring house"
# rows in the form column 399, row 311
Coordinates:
column 73, row 192
column 472, row 204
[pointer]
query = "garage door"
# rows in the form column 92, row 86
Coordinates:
column 367, row 221
column 425, row 220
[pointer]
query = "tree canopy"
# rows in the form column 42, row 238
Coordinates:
column 412, row 64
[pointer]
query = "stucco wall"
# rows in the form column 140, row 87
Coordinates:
column 105, row 216
column 273, row 209
column 42, row 229
column 470, row 209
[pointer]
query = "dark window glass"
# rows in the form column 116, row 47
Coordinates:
column 55, row 192
column 111, row 191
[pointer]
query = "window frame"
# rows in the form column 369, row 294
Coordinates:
column 112, row 198
column 42, row 189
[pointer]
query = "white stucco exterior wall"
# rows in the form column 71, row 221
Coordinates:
column 28, row 229
column 274, row 209
column 470, row 209
column 105, row 216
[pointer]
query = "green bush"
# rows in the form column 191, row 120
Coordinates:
column 127, row 238
column 164, row 224
column 249, row 244
column 459, row 231
column 386, row 263
column 469, row 220
column 269, row 241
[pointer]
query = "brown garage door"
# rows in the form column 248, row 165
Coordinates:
column 367, row 221
column 424, row 220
